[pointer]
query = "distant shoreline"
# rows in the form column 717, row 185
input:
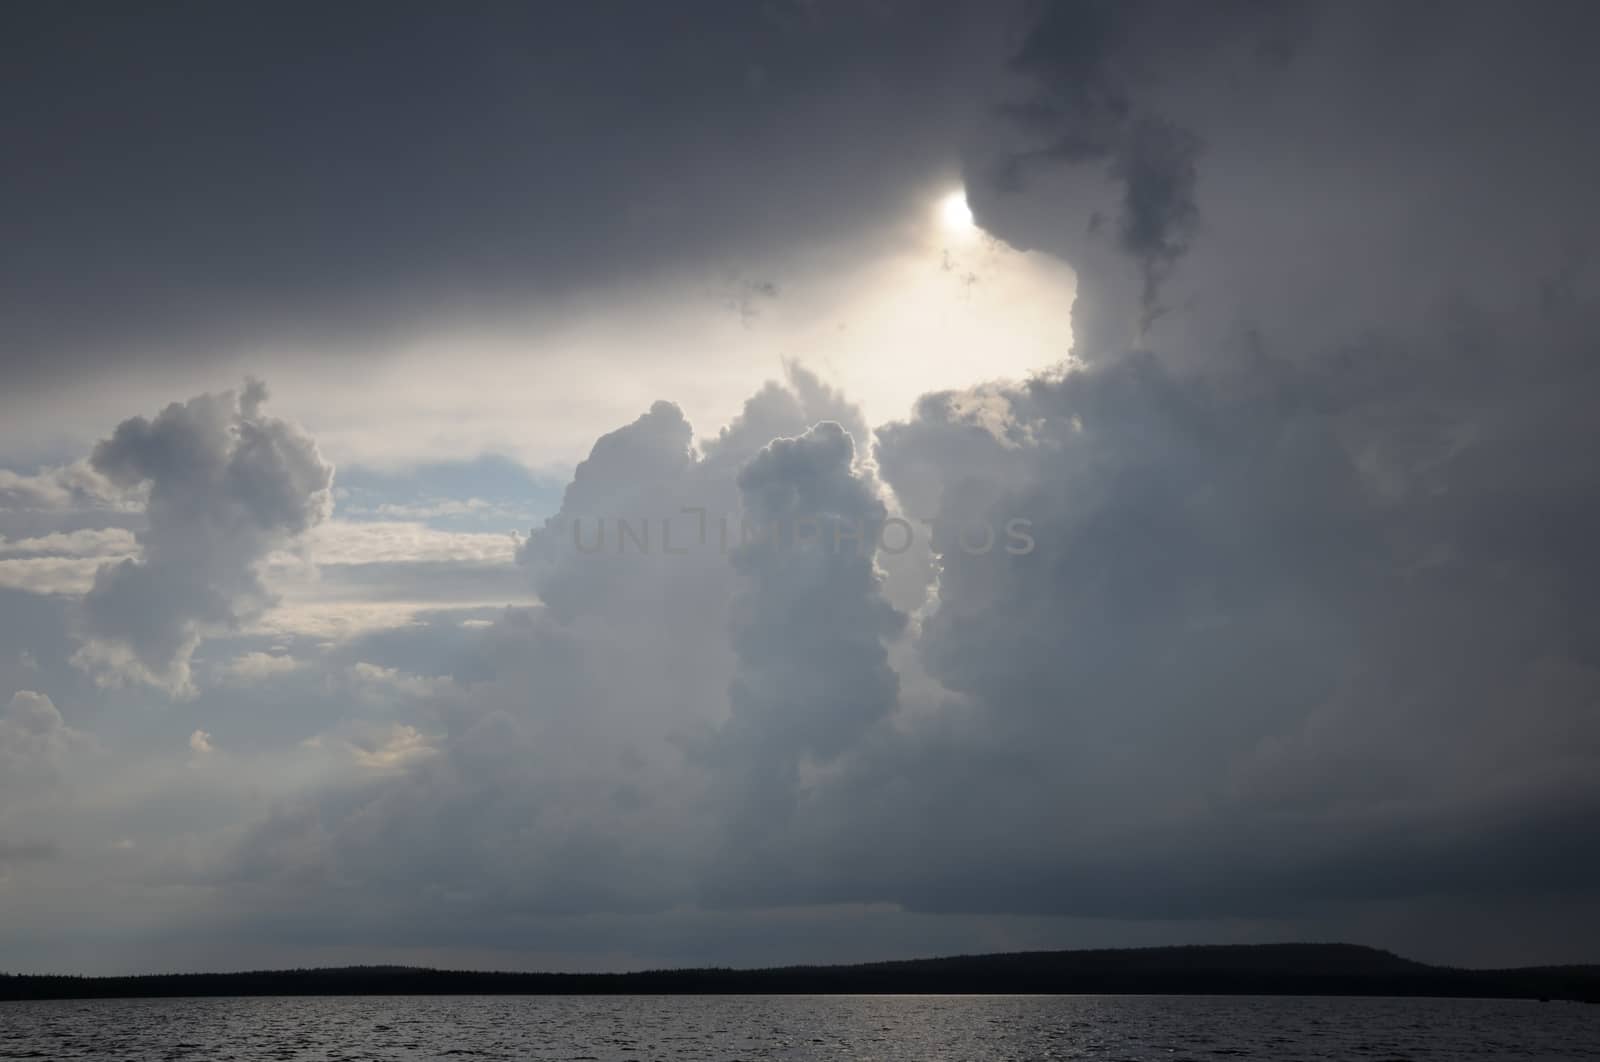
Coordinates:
column 1259, row 969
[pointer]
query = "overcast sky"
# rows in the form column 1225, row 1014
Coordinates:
column 1177, row 421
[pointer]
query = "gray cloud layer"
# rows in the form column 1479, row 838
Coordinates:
column 194, row 179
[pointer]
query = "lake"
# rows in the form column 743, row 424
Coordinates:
column 921, row 1028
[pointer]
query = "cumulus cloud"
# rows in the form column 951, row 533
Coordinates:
column 227, row 485
column 809, row 627
column 34, row 739
column 562, row 766
column 810, row 621
column 32, row 715
column 788, row 408
column 678, row 506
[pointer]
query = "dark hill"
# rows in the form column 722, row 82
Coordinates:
column 1268, row 969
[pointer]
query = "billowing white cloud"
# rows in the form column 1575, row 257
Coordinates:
column 227, row 485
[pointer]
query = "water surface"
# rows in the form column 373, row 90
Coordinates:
column 921, row 1028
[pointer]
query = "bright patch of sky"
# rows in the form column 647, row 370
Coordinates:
column 490, row 493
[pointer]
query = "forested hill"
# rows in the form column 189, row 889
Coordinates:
column 1273, row 969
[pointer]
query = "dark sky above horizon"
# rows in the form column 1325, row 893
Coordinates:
column 1259, row 338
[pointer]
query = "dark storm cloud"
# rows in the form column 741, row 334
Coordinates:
column 1084, row 61
column 1354, row 166
column 1309, row 621
column 188, row 175
column 1087, row 68
column 1289, row 636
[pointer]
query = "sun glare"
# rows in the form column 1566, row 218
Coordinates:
column 954, row 212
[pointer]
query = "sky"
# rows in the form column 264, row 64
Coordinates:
column 614, row 486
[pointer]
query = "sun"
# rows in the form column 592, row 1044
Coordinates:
column 954, row 214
